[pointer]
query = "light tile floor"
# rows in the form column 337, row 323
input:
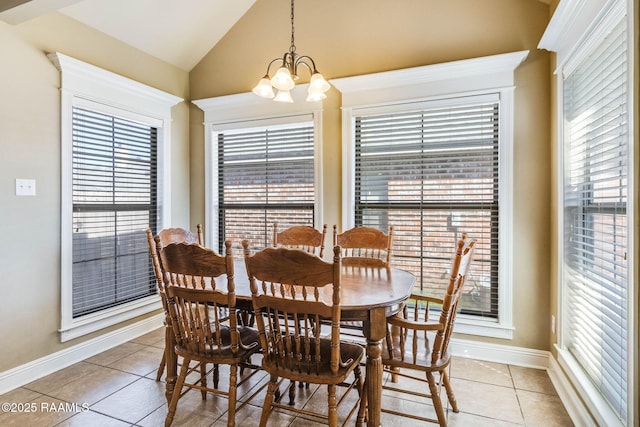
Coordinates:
column 118, row 388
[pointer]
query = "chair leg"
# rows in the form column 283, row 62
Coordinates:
column 203, row 379
column 268, row 400
column 161, row 367
column 333, row 406
column 362, row 410
column 216, row 376
column 233, row 384
column 450, row 395
column 292, row 393
column 176, row 392
column 435, row 398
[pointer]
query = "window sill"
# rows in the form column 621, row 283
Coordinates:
column 472, row 325
column 600, row 409
column 96, row 321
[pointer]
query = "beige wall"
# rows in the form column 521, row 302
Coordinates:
column 345, row 38
column 354, row 37
column 30, row 144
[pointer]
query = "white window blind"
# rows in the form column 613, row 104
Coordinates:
column 432, row 173
column 595, row 279
column 114, row 202
column 265, row 175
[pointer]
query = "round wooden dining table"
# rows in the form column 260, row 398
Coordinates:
column 366, row 294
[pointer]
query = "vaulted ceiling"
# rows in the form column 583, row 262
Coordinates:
column 179, row 32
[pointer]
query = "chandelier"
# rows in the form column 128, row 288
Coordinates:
column 284, row 78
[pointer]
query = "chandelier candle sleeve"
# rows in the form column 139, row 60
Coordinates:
column 284, row 79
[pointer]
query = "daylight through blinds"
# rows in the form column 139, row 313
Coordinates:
column 432, row 173
column 595, row 210
column 114, row 202
column 265, row 175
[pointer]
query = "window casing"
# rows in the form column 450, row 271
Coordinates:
column 433, row 98
column 115, row 145
column 277, row 143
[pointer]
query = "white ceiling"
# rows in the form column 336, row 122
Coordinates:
column 179, row 32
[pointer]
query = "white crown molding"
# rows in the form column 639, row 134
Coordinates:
column 571, row 19
column 431, row 73
column 237, row 107
column 86, row 80
column 475, row 74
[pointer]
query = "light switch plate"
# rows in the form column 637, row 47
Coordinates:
column 25, row 187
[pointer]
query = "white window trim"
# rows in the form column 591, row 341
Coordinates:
column 247, row 110
column 574, row 29
column 478, row 76
column 85, row 84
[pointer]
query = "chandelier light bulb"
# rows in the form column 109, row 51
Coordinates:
column 318, row 82
column 315, row 95
column 283, row 96
column 264, row 89
column 283, row 80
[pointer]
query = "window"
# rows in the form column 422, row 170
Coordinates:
column 115, row 140
column 595, row 208
column 265, row 175
column 596, row 335
column 114, row 202
column 428, row 150
column 432, row 172
column 262, row 165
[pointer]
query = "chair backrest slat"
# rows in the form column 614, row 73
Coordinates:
column 292, row 291
column 194, row 303
column 163, row 238
column 302, row 237
column 365, row 246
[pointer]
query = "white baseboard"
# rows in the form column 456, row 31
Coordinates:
column 499, row 353
column 31, row 371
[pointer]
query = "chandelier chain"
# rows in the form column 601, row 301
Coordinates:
column 292, row 49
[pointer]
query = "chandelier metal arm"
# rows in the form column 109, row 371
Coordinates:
column 300, row 60
column 266, row 75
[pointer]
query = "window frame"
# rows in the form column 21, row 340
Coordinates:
column 247, row 110
column 85, row 85
column 392, row 90
column 575, row 29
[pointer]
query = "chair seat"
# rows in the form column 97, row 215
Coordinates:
column 350, row 354
column 414, row 358
column 249, row 337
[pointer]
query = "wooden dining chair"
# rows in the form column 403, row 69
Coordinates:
column 189, row 272
column 310, row 240
column 166, row 236
column 364, row 246
column 302, row 237
column 291, row 292
column 415, row 342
